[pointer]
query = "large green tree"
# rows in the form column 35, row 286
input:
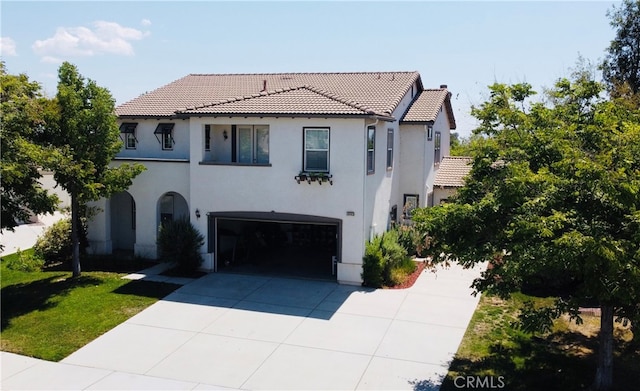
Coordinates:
column 621, row 66
column 553, row 197
column 22, row 118
column 85, row 137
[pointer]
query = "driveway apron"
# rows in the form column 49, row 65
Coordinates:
column 256, row 332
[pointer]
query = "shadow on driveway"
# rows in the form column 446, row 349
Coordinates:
column 277, row 295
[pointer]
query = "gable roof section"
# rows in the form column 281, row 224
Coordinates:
column 452, row 171
column 426, row 106
column 304, row 100
column 375, row 92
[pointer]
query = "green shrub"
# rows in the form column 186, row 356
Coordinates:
column 24, row 261
column 179, row 241
column 373, row 264
column 54, row 245
column 393, row 253
column 385, row 261
column 411, row 239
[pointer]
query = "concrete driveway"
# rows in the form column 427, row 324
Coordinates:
column 252, row 332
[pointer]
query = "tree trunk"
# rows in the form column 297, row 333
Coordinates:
column 604, row 373
column 75, row 242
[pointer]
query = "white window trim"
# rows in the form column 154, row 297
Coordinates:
column 305, row 149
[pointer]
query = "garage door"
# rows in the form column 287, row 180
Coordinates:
column 275, row 244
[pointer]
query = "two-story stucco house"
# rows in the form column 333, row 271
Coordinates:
column 284, row 173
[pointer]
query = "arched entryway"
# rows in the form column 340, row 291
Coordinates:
column 123, row 222
column 171, row 206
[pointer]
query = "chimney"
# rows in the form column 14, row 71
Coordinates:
column 264, row 85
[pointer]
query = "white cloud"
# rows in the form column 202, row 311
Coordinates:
column 145, row 22
column 102, row 38
column 7, row 47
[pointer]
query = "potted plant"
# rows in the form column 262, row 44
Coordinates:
column 313, row 176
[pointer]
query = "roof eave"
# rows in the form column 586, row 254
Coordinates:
column 148, row 116
column 424, row 122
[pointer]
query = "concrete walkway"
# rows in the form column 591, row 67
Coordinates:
column 252, row 332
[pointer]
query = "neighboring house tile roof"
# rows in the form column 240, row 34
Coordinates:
column 331, row 94
column 452, row 171
column 426, row 106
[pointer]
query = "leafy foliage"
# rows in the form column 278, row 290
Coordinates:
column 22, row 113
column 411, row 239
column 24, row 261
column 554, row 193
column 179, row 241
column 385, row 261
column 373, row 263
column 54, row 245
column 621, row 66
column 85, row 136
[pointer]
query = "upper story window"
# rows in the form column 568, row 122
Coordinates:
column 316, row 149
column 389, row 148
column 128, row 129
column 230, row 144
column 164, row 134
column 436, row 148
column 371, row 149
column 252, row 144
column 207, row 137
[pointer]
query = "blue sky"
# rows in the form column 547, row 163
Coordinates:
column 134, row 47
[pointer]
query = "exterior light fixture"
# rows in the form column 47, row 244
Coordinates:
column 225, row 135
column 197, row 213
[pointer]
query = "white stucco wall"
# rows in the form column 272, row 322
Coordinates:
column 441, row 194
column 360, row 201
column 158, row 179
column 148, row 145
column 50, row 185
column 417, row 157
column 233, row 187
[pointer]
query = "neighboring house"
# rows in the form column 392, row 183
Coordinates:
column 290, row 172
column 450, row 177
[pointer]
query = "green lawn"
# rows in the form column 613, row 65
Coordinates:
column 49, row 315
column 564, row 359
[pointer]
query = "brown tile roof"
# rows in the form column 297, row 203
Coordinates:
column 426, row 106
column 452, row 171
column 370, row 93
column 302, row 100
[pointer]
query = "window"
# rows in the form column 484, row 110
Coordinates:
column 410, row 203
column 316, row 149
column 371, row 149
column 251, row 144
column 436, row 149
column 207, row 137
column 429, row 132
column 389, row 148
column 166, row 133
column 166, row 209
column 129, row 131
column 130, row 141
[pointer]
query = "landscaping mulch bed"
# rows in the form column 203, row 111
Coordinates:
column 408, row 283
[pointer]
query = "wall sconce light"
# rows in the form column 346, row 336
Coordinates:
column 225, row 135
column 197, row 213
